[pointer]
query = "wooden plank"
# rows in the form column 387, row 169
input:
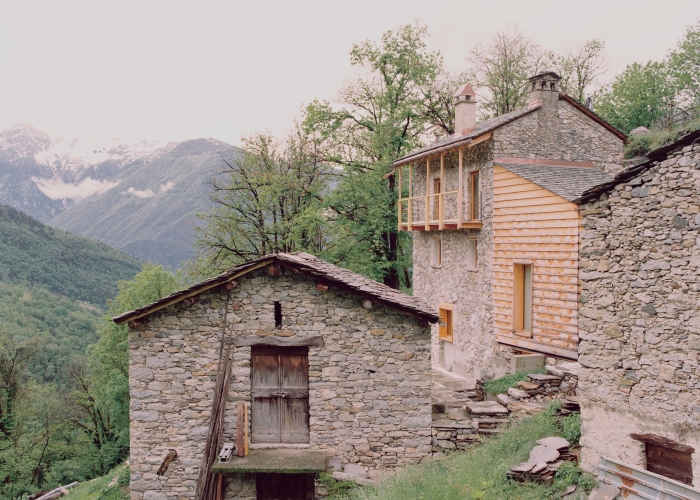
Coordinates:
column 544, row 239
column 294, row 387
column 441, row 199
column 512, row 189
column 663, row 442
column 543, row 201
column 240, row 429
column 566, row 218
column 557, row 207
column 460, row 188
column 499, row 232
column 480, row 139
column 504, row 183
column 534, row 346
column 427, row 191
column 535, row 255
column 537, row 247
column 265, row 410
column 272, row 340
column 526, row 195
column 670, row 462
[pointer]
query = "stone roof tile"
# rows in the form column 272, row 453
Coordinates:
column 306, row 264
column 565, row 181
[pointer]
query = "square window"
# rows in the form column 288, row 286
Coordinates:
column 436, row 252
column 472, row 261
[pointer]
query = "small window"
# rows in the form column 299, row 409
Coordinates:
column 436, row 252
column 667, row 457
column 278, row 315
column 471, row 255
column 522, row 299
column 445, row 312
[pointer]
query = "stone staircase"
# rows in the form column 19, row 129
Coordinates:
column 461, row 416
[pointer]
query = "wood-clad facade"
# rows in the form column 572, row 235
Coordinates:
column 532, row 226
column 496, row 228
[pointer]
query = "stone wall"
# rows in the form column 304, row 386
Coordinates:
column 639, row 314
column 470, row 292
column 572, row 137
column 369, row 385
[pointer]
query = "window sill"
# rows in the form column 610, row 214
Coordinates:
column 523, row 333
column 446, row 339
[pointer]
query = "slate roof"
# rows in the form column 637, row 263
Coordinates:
column 306, row 264
column 484, row 127
column 657, row 155
column 456, row 140
column 566, row 181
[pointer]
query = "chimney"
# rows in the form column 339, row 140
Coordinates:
column 544, row 90
column 465, row 110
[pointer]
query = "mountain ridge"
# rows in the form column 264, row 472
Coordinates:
column 140, row 197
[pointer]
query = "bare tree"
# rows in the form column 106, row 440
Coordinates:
column 580, row 68
column 263, row 199
column 500, row 68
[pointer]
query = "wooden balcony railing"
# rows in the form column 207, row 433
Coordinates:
column 442, row 213
column 442, row 209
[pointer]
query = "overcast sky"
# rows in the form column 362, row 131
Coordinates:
column 173, row 70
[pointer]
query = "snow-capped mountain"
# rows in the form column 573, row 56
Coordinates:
column 136, row 195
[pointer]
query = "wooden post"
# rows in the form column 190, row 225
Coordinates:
column 400, row 193
column 246, row 438
column 460, row 188
column 427, row 193
column 441, row 196
column 410, row 196
column 240, row 429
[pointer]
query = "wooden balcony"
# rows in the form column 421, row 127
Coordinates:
column 458, row 208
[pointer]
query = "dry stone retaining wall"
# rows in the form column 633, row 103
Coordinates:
column 369, row 385
column 640, row 311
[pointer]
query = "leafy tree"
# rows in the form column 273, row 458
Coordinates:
column 684, row 65
column 639, row 96
column 580, row 68
column 500, row 68
column 402, row 92
column 266, row 200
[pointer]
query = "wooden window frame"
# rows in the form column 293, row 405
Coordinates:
column 436, row 252
column 446, row 331
column 474, row 194
column 476, row 255
column 523, row 298
column 437, row 189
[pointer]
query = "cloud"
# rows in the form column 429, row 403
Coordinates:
column 57, row 189
column 166, row 187
column 146, row 193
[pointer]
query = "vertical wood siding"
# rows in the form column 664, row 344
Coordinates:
column 533, row 225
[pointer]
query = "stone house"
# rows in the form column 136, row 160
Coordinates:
column 640, row 317
column 331, row 364
column 496, row 225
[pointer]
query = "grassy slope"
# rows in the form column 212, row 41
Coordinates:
column 479, row 473
column 78, row 268
column 99, row 489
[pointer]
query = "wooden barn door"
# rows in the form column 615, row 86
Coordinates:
column 280, row 393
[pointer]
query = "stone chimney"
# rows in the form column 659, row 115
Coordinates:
column 544, row 90
column 465, row 110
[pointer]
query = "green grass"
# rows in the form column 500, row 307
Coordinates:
column 98, row 489
column 642, row 144
column 501, row 385
column 480, row 473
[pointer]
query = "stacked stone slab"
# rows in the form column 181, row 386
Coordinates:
column 640, row 307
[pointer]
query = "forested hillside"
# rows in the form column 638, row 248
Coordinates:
column 32, row 253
